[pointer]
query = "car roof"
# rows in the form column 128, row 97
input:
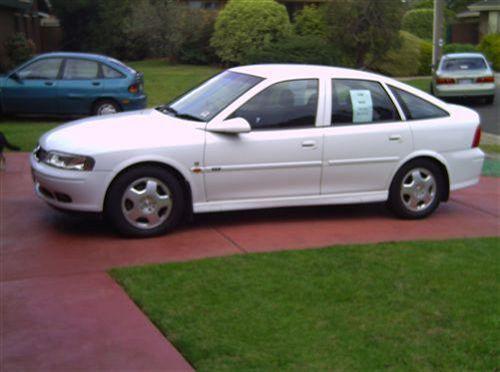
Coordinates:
column 297, row 71
column 98, row 57
column 463, row 55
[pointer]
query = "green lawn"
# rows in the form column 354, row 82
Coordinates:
column 422, row 84
column 404, row 306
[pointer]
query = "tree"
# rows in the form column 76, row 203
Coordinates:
column 311, row 21
column 364, row 29
column 248, row 25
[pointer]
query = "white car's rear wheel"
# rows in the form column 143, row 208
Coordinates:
column 145, row 201
column 417, row 189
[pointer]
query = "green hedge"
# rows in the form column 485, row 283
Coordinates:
column 459, row 48
column 296, row 49
column 401, row 61
column 311, row 21
column 419, row 22
column 425, row 59
column 490, row 47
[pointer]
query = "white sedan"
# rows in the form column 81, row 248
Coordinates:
column 263, row 136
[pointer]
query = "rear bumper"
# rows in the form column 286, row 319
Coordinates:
column 464, row 167
column 466, row 90
column 134, row 103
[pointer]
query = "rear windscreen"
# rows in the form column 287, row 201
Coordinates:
column 460, row 64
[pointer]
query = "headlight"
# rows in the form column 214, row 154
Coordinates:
column 68, row 161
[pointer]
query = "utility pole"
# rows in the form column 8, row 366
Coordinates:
column 437, row 33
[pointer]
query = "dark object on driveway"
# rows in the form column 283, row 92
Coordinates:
column 72, row 84
column 4, row 143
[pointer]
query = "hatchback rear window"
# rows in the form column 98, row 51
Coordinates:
column 459, row 64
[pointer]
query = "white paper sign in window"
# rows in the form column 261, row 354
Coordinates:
column 362, row 106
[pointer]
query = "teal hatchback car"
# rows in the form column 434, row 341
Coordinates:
column 72, row 84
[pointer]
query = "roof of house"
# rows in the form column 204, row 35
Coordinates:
column 485, row 5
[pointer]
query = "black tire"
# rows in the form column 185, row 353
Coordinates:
column 431, row 89
column 489, row 100
column 396, row 201
column 114, row 204
column 100, row 106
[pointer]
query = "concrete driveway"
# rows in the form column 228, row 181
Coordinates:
column 61, row 311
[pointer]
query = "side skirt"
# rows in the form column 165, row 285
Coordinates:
column 294, row 201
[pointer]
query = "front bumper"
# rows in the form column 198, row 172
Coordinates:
column 72, row 190
column 464, row 90
column 134, row 103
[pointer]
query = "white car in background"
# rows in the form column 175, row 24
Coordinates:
column 464, row 75
column 263, row 136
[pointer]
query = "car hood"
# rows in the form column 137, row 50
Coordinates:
column 120, row 132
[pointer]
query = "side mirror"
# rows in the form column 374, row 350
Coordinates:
column 231, row 126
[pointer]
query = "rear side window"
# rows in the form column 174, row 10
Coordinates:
column 361, row 102
column 77, row 69
column 416, row 108
column 110, row 73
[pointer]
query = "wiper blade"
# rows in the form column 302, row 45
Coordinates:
column 167, row 109
column 188, row 117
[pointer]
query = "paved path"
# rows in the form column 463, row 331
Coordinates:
column 61, row 311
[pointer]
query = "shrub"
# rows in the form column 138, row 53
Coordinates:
column 311, row 21
column 459, row 48
column 196, row 48
column 425, row 58
column 403, row 60
column 490, row 47
column 419, row 22
column 296, row 49
column 18, row 49
column 245, row 25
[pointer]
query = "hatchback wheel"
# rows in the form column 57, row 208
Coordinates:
column 416, row 190
column 105, row 107
column 145, row 201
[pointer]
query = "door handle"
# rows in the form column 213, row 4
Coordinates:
column 309, row 144
column 49, row 83
column 96, row 83
column 395, row 137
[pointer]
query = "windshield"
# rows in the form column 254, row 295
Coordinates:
column 206, row 101
column 461, row 64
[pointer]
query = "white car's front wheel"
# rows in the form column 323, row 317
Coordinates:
column 416, row 190
column 145, row 201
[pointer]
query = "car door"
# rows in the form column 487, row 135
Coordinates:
column 33, row 89
column 80, row 86
column 280, row 157
column 366, row 139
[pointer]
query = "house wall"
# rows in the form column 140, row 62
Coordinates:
column 465, row 33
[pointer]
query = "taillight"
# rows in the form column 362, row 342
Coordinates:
column 440, row 81
column 134, row 88
column 486, row 79
column 477, row 137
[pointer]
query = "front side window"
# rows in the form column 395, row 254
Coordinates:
column 416, row 108
column 80, row 69
column 41, row 70
column 206, row 101
column 290, row 104
column 463, row 64
column 361, row 102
